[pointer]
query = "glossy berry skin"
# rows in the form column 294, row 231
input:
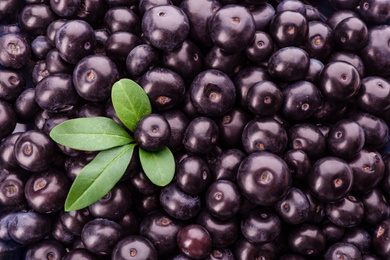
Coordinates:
column 73, row 165
column 212, row 93
column 140, row 59
column 231, row 125
column 374, row 52
column 299, row 163
column 352, row 58
column 92, row 12
column 288, row 5
column 46, row 249
column 199, row 14
column 178, row 123
column 225, row 165
column 376, row 208
column 223, row 199
column 345, row 139
column 320, row 40
column 8, row 119
column 201, row 136
column 164, row 87
column 79, row 254
column 15, row 51
column 336, row 177
column 380, row 239
column 223, row 232
column 339, row 81
column 75, row 40
column 55, row 64
column 358, row 237
column 331, row 231
column 119, row 44
column 300, row 100
column 91, row 109
column 152, row 132
column 308, row 138
column 142, row 184
column 147, row 203
column 186, row 60
column 229, row 63
column 351, row 34
column 220, row 254
column 375, row 11
column 35, row 18
column 263, row 178
column 317, row 207
column 134, row 247
column 288, row 64
column 40, row 118
column 237, row 22
column 372, row 94
column 29, row 227
column 261, row 226
column 46, row 191
column 7, row 157
column 192, row 170
column 264, row 98
column 101, row 39
column 40, row 46
column 94, row 76
column 338, row 16
column 171, row 23
column 288, row 28
column 99, row 236
column 67, row 8
column 179, row 204
column 315, row 68
column 344, row 250
column 161, row 229
column 294, row 208
column 114, row 204
column 262, row 13
column 246, row 78
column 12, row 190
column 60, row 233
column 194, row 241
column 74, row 221
column 246, row 250
column 52, row 29
column 121, row 19
column 12, row 83
column 260, row 48
column 368, row 169
column 264, row 134
column 56, row 93
column 34, row 151
column 348, row 212
column 307, row 240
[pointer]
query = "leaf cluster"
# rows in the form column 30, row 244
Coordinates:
column 116, row 146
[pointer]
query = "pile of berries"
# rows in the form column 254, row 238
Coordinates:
column 276, row 111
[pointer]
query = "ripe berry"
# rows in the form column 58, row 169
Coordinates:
column 152, row 132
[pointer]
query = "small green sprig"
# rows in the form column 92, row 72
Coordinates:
column 115, row 144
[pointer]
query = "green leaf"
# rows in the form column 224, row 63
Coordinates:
column 158, row 166
column 90, row 134
column 130, row 102
column 98, row 177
